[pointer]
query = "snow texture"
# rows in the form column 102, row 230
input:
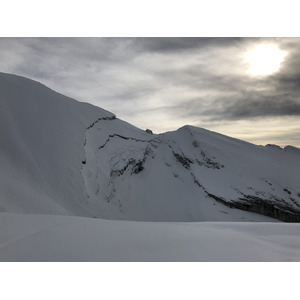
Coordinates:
column 60, row 156
column 79, row 184
column 65, row 238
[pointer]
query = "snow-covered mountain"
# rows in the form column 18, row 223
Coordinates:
column 60, row 156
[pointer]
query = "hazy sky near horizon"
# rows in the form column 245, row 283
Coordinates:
column 247, row 88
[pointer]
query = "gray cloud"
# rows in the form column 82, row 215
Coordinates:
column 262, row 107
column 175, row 44
column 238, row 107
column 178, row 79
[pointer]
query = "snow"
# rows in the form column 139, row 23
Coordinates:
column 41, row 149
column 67, row 238
column 60, row 156
column 222, row 166
column 79, row 184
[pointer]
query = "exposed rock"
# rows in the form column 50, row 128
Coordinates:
column 274, row 146
column 149, row 131
column 185, row 161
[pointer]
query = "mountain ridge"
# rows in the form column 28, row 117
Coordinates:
column 62, row 156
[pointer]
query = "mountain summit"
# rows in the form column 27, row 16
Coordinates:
column 60, row 156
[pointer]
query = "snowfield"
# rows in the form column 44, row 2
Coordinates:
column 79, row 184
column 65, row 238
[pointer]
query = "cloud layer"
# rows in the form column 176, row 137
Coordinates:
column 165, row 83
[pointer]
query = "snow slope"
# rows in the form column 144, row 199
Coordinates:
column 67, row 238
column 60, row 156
column 41, row 148
column 188, row 175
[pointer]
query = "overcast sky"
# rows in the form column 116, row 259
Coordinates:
column 165, row 83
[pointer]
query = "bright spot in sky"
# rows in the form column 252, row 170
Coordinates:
column 264, row 59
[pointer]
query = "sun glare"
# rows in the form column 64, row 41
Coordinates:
column 264, row 59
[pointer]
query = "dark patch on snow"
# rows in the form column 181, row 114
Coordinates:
column 196, row 144
column 208, row 162
column 149, row 131
column 295, row 202
column 185, row 161
column 127, row 138
column 137, row 168
column 266, row 181
column 100, row 119
column 274, row 146
column 276, row 208
column 283, row 212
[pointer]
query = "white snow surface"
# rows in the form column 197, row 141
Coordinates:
column 66, row 238
column 41, row 148
column 78, row 184
column 60, row 156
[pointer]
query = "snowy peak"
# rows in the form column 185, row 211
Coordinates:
column 60, row 156
column 42, row 134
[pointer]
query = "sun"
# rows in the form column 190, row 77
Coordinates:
column 264, row 59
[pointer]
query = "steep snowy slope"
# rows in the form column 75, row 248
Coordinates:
column 41, row 148
column 189, row 174
column 240, row 174
column 61, row 156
